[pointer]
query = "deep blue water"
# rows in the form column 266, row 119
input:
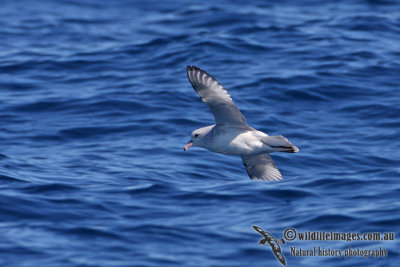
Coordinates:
column 95, row 108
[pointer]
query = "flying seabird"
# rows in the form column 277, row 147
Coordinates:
column 231, row 134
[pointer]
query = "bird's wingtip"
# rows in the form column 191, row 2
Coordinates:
column 192, row 67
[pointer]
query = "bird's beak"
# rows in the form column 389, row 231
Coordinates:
column 188, row 145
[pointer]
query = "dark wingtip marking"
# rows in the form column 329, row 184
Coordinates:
column 187, row 71
column 192, row 68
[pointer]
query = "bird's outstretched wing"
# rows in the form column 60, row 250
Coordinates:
column 261, row 167
column 216, row 97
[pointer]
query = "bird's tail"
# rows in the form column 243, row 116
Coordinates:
column 280, row 144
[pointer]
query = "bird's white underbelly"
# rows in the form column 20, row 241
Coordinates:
column 241, row 143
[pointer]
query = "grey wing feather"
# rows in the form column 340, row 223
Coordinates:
column 216, row 97
column 261, row 167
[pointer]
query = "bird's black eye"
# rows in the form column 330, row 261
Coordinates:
column 196, row 135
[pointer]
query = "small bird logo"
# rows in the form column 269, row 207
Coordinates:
column 273, row 242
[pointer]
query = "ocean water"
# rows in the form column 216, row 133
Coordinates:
column 95, row 108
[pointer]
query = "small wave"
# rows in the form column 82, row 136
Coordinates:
column 49, row 188
column 8, row 179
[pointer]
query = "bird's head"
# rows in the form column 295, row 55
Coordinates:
column 197, row 137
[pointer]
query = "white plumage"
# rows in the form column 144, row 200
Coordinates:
column 231, row 134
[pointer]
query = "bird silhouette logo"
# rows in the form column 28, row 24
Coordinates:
column 273, row 242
